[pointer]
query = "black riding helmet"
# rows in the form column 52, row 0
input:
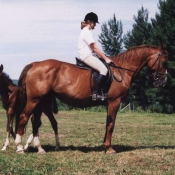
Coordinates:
column 91, row 17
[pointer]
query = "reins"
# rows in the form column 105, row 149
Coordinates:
column 119, row 70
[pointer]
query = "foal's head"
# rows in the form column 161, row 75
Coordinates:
column 1, row 80
column 5, row 82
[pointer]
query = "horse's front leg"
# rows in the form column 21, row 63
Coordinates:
column 110, row 123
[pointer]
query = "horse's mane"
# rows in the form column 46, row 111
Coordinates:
column 133, row 52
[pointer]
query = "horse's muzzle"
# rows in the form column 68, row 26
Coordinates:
column 160, row 83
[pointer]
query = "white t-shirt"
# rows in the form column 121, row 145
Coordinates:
column 85, row 39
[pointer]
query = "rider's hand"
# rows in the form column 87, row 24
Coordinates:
column 108, row 61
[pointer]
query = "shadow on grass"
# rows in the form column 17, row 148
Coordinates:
column 86, row 149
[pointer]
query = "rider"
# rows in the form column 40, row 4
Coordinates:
column 88, row 50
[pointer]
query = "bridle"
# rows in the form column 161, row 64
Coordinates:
column 157, row 73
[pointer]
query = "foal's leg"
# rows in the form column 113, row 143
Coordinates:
column 53, row 122
column 7, row 141
column 29, row 140
column 110, row 123
column 9, row 129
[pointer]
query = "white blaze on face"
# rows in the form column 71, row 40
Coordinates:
column 166, row 75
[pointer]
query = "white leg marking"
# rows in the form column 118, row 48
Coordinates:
column 18, row 144
column 7, row 142
column 38, row 145
column 29, row 141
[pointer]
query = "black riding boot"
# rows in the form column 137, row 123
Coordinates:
column 97, row 89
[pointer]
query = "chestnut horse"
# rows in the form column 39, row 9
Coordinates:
column 72, row 85
column 8, row 93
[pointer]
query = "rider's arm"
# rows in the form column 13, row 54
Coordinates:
column 99, row 52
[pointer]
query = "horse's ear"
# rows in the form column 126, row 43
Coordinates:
column 162, row 46
column 1, row 68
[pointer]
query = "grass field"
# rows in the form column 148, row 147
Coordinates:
column 145, row 145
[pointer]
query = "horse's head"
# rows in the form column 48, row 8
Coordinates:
column 157, row 64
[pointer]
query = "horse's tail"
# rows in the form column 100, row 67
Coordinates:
column 55, row 106
column 23, row 74
column 21, row 99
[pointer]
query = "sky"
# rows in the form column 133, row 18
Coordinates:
column 37, row 30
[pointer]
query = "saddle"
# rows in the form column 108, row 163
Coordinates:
column 80, row 64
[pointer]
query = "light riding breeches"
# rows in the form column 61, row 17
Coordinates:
column 96, row 64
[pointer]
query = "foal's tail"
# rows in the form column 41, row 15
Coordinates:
column 21, row 99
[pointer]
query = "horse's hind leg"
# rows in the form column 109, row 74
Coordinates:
column 21, row 123
column 54, row 124
column 36, row 123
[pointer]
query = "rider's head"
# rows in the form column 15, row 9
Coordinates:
column 91, row 19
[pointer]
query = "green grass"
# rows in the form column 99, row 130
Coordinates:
column 145, row 144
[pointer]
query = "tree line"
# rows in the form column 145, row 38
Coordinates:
column 158, row 30
column 155, row 31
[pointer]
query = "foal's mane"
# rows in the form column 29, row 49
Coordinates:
column 7, row 80
column 134, row 52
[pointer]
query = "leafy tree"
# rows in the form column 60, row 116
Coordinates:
column 164, row 31
column 141, row 32
column 111, row 37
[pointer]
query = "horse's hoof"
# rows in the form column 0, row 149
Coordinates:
column 25, row 148
column 41, row 151
column 20, row 151
column 3, row 149
column 56, row 148
column 111, row 152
